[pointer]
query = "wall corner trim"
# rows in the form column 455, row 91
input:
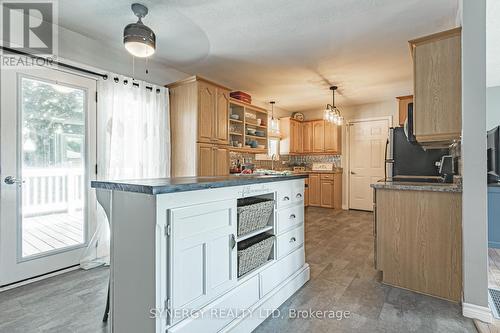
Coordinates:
column 473, row 311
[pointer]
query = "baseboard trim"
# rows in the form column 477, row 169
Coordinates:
column 39, row 278
column 473, row 311
column 495, row 245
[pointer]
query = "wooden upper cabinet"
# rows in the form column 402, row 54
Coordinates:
column 437, row 105
column 403, row 102
column 199, row 121
column 206, row 111
column 318, row 135
column 296, row 137
column 222, row 117
column 333, row 138
column 307, row 137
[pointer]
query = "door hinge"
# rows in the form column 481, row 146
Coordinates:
column 168, row 230
column 96, row 169
column 96, row 96
column 168, row 304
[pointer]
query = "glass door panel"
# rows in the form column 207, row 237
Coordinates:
column 53, row 166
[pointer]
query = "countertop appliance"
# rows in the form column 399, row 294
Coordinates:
column 494, row 155
column 405, row 159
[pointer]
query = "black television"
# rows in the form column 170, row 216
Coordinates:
column 494, row 155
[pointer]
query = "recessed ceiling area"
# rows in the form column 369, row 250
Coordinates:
column 288, row 51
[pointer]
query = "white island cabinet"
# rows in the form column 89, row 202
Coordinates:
column 174, row 252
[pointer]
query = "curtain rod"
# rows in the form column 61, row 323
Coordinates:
column 75, row 68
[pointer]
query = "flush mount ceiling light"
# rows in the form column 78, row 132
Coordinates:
column 332, row 113
column 139, row 39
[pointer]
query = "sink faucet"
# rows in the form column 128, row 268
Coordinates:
column 273, row 156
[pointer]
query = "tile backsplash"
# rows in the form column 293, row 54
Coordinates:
column 286, row 161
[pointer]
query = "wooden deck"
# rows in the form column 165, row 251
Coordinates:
column 51, row 232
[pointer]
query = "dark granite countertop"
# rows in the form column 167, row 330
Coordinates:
column 184, row 184
column 409, row 186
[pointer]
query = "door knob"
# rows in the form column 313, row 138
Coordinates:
column 12, row 180
column 353, row 173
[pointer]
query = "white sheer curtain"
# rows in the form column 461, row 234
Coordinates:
column 133, row 141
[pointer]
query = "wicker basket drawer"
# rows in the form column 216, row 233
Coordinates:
column 254, row 252
column 289, row 241
column 253, row 214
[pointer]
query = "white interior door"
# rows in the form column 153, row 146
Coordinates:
column 47, row 141
column 367, row 141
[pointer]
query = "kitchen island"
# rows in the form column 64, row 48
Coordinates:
column 178, row 251
column 418, row 237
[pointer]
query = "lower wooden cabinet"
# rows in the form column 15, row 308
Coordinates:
column 419, row 241
column 213, row 160
column 325, row 190
column 314, row 190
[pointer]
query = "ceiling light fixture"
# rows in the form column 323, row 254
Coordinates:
column 138, row 38
column 332, row 113
column 274, row 123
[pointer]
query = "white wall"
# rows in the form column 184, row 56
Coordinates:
column 474, row 221
column 492, row 107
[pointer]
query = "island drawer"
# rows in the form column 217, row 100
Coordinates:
column 271, row 277
column 290, row 217
column 216, row 315
column 289, row 241
column 291, row 193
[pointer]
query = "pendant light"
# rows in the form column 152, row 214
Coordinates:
column 332, row 113
column 139, row 39
column 274, row 123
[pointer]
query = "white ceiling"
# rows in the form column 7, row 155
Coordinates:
column 286, row 50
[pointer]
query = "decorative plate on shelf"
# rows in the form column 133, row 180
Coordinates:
column 298, row 116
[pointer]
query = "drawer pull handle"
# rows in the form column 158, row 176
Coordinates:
column 292, row 240
column 299, row 195
column 292, row 216
column 286, row 198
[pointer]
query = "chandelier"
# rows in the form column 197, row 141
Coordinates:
column 332, row 113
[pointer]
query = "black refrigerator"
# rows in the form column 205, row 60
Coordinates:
column 404, row 158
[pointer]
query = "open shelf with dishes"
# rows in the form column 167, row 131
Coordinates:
column 247, row 127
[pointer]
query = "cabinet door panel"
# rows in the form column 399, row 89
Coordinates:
column 205, row 160
column 201, row 251
column 307, row 137
column 332, row 138
column 327, row 193
column 221, row 160
column 318, row 136
column 314, row 190
column 438, row 104
column 222, row 117
column 206, row 112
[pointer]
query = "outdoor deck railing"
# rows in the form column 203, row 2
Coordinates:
column 52, row 190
